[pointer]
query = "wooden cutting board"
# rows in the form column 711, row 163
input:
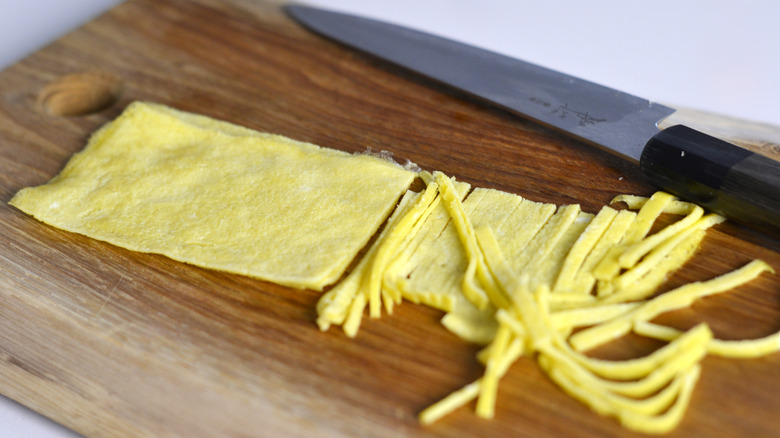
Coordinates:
column 110, row 342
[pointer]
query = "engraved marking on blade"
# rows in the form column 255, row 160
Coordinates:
column 563, row 111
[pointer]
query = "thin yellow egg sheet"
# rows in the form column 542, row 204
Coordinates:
column 221, row 196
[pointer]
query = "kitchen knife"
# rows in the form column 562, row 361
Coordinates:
column 715, row 174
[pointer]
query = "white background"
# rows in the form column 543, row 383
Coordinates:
column 714, row 55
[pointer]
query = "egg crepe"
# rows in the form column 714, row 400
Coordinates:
column 221, row 196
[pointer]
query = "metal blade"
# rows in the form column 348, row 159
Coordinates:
column 608, row 118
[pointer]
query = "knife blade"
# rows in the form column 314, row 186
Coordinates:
column 722, row 177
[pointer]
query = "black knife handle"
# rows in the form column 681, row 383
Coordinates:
column 719, row 176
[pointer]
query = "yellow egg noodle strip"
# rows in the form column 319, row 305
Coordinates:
column 634, row 272
column 565, row 320
column 462, row 245
column 736, row 349
column 533, row 334
column 609, row 266
column 586, row 242
column 669, row 420
column 354, row 315
column 429, row 268
column 685, row 295
column 586, row 278
column 459, row 313
column 497, row 209
column 390, row 244
column 392, row 295
column 453, row 401
column 647, row 216
column 636, row 202
column 525, row 222
column 640, row 420
column 477, row 326
column 647, row 385
column 652, row 413
column 339, row 306
column 368, row 277
column 608, row 403
column 660, row 384
column 460, row 397
column 407, row 240
column 546, row 269
column 571, row 300
column 647, row 284
column 370, row 283
column 489, row 384
column 636, row 377
column 477, row 294
column 547, row 238
column 643, row 371
column 675, row 299
column 636, row 251
column 332, row 307
column 660, row 244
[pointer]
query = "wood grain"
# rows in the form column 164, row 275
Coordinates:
column 114, row 343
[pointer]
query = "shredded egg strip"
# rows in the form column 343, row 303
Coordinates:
column 593, row 273
column 648, row 394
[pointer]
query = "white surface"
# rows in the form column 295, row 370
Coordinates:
column 715, row 55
